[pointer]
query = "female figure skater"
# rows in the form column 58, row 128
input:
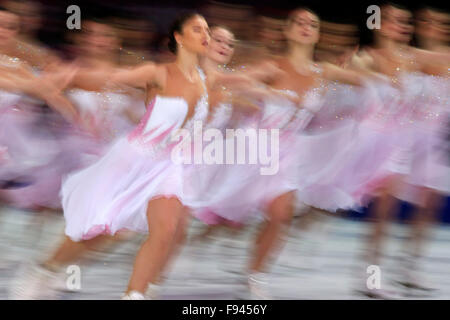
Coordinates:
column 396, row 59
column 331, row 128
column 304, row 82
column 35, row 152
column 231, row 107
column 26, row 45
column 299, row 85
column 378, row 158
column 428, row 181
column 138, row 183
column 111, row 113
column 228, row 109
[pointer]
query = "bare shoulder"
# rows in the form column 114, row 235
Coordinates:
column 427, row 56
column 327, row 70
column 278, row 62
column 365, row 58
column 325, row 67
column 421, row 54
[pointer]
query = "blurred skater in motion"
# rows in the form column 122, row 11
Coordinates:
column 137, row 35
column 32, row 146
column 31, row 109
column 386, row 171
column 26, row 44
column 231, row 106
column 220, row 53
column 106, row 115
column 342, row 105
column 49, row 145
column 111, row 111
column 429, row 179
column 295, row 93
column 303, row 84
column 271, row 36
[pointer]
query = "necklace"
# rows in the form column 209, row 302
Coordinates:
column 224, row 68
column 401, row 53
column 188, row 78
column 402, row 57
column 7, row 61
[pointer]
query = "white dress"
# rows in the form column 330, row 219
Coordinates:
column 113, row 193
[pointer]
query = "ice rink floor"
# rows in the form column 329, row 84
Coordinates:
column 323, row 263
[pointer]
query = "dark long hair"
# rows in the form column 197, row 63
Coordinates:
column 177, row 26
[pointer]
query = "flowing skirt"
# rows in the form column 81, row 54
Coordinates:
column 112, row 194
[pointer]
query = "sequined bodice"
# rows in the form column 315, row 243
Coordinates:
column 200, row 112
column 278, row 110
column 220, row 116
column 6, row 98
column 393, row 104
column 165, row 116
column 99, row 102
column 340, row 104
column 282, row 112
column 105, row 109
column 432, row 101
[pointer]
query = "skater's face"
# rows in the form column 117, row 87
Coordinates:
column 29, row 13
column 434, row 25
column 99, row 38
column 396, row 24
column 271, row 33
column 9, row 26
column 221, row 47
column 194, row 36
column 338, row 39
column 303, row 27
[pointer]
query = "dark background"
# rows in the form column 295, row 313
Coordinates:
column 161, row 13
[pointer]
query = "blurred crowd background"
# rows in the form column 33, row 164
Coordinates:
column 143, row 24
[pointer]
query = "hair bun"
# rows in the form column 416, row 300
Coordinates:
column 172, row 44
column 177, row 26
